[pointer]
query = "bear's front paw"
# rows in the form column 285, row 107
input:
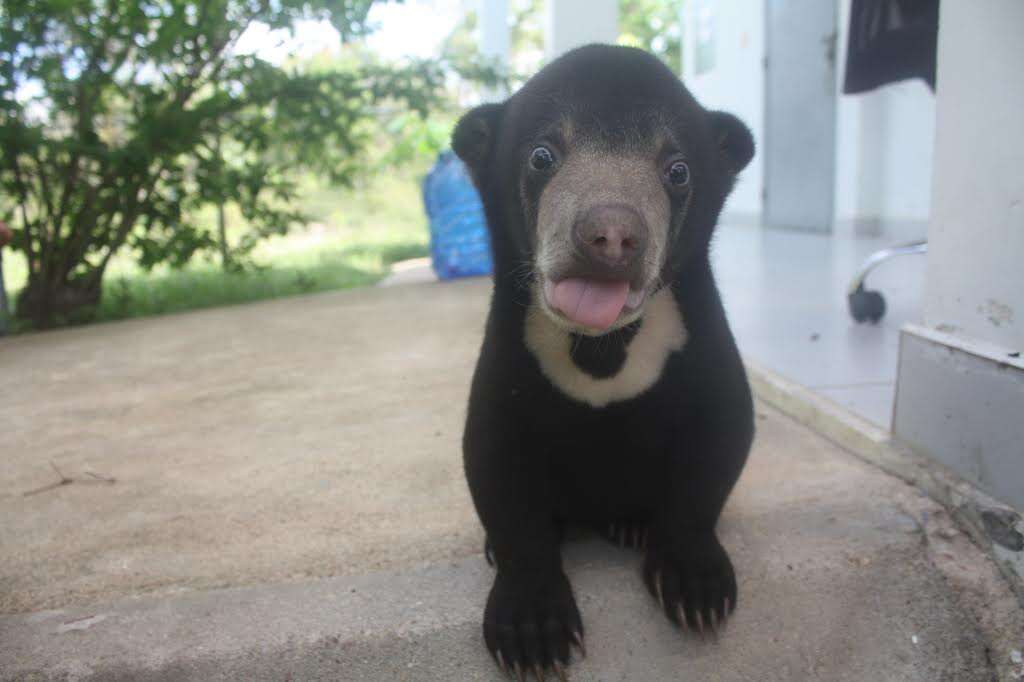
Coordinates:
column 694, row 583
column 530, row 621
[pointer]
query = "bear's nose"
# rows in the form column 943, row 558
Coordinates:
column 611, row 239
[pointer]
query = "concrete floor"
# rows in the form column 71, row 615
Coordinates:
column 281, row 440
column 288, row 503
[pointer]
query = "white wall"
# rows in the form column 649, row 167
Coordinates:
column 884, row 147
column 494, row 39
column 907, row 151
column 960, row 391
column 736, row 84
column 975, row 284
column 884, row 138
column 572, row 23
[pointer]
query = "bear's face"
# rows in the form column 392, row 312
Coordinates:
column 607, row 177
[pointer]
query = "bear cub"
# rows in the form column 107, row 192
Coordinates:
column 609, row 392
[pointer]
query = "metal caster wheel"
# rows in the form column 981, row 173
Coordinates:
column 866, row 305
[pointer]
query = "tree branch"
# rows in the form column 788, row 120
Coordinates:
column 44, row 183
column 129, row 216
column 27, row 225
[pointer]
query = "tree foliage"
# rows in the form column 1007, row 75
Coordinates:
column 120, row 119
column 652, row 25
column 655, row 26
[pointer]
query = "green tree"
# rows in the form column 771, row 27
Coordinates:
column 655, row 26
column 120, row 119
column 652, row 25
column 526, row 45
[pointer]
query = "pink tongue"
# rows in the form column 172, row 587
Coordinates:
column 589, row 302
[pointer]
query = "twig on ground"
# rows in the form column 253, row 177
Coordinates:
column 65, row 480
column 99, row 479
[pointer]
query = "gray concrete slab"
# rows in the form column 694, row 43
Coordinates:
column 873, row 401
column 284, row 440
column 889, row 617
column 412, row 271
column 289, row 504
column 960, row 402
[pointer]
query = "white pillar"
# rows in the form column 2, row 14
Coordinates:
column 735, row 84
column 884, row 149
column 960, row 390
column 976, row 240
column 494, row 39
column 571, row 23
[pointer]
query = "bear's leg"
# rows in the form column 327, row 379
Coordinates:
column 686, row 568
column 531, row 618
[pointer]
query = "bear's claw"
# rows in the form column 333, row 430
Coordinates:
column 695, row 586
column 531, row 623
column 629, row 534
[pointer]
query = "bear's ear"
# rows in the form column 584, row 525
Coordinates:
column 476, row 134
column 733, row 139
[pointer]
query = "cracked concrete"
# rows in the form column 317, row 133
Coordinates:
column 289, row 504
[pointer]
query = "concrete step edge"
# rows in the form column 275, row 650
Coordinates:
column 996, row 528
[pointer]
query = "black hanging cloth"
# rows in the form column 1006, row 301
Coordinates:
column 891, row 40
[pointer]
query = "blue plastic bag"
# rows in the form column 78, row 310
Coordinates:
column 459, row 243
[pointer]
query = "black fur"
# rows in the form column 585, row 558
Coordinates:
column 664, row 461
column 602, row 356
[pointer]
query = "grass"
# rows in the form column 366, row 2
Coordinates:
column 355, row 236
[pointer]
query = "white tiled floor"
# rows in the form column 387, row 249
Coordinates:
column 785, row 293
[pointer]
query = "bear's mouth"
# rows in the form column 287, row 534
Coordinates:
column 591, row 303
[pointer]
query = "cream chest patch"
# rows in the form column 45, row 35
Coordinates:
column 661, row 334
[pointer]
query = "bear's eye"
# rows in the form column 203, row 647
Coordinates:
column 679, row 174
column 541, row 159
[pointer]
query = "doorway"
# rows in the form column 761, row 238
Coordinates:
column 800, row 114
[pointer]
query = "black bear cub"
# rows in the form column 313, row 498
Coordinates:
column 609, row 392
